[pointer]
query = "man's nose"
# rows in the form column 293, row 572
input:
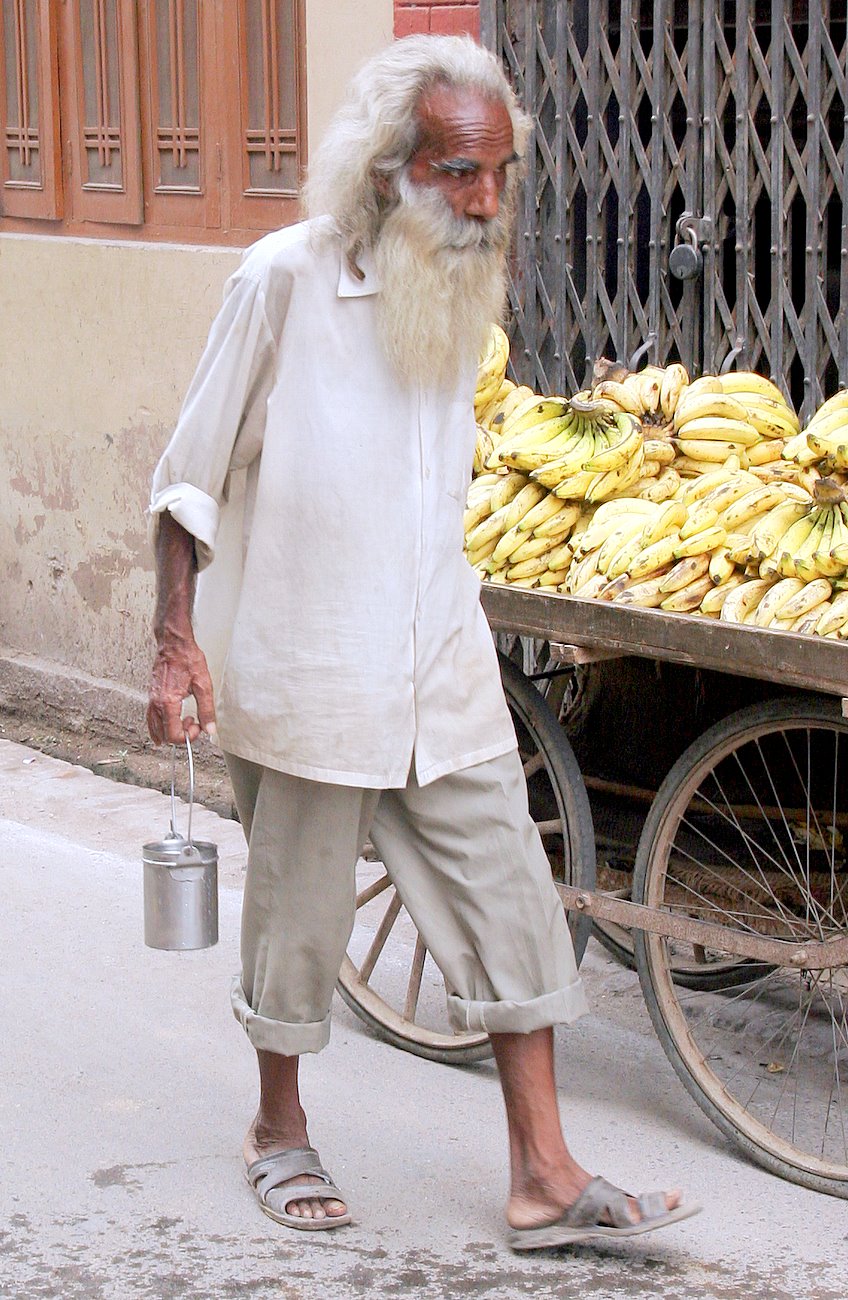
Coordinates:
column 484, row 200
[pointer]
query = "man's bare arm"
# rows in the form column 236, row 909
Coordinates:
column 179, row 668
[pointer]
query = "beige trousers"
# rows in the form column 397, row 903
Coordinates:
column 468, row 864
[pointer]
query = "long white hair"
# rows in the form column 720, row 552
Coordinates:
column 375, row 132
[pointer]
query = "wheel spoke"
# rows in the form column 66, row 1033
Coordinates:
column 553, row 826
column 378, row 943
column 413, row 988
column 372, row 890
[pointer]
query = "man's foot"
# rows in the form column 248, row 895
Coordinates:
column 259, row 1145
column 544, row 1199
column 600, row 1213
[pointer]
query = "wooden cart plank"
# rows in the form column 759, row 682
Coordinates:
column 809, row 662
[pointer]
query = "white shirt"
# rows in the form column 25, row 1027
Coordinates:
column 342, row 623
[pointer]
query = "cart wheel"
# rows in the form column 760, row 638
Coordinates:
column 749, row 830
column 388, row 977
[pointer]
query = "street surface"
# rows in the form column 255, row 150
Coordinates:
column 126, row 1086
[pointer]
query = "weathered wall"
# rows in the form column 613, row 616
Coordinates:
column 98, row 341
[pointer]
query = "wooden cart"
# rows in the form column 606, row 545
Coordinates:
column 737, row 917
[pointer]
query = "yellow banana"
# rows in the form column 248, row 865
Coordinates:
column 620, row 395
column 705, row 483
column 743, row 599
column 768, row 531
column 620, row 452
column 649, row 559
column 673, row 385
column 701, row 543
column 563, row 520
column 832, row 426
column 487, row 414
column 648, row 384
column 713, row 451
column 622, row 505
column 835, row 617
column 659, row 489
column 659, row 449
column 745, row 381
column 629, row 526
column 530, row 549
column 771, row 605
column 716, row 428
column 687, row 599
column 532, row 411
column 483, row 449
column 706, row 384
column 732, row 489
column 506, row 405
column 803, row 557
column 722, row 568
column 530, row 495
column 668, row 519
column 551, row 578
column 711, row 604
column 614, row 587
column 707, row 406
column 685, row 571
column 765, row 452
column 482, row 553
column 696, row 520
column 753, row 503
column 807, row 623
column 770, row 419
column 507, row 543
column 622, row 562
column 532, row 567
column 583, row 571
column 539, row 514
column 645, row 594
column 811, row 595
column 509, row 487
column 560, row 557
column 615, row 481
column 491, row 527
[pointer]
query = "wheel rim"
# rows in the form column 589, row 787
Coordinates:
column 755, row 839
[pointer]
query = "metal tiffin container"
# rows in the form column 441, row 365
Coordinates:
column 180, row 883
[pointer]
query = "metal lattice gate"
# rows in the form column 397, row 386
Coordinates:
column 714, row 126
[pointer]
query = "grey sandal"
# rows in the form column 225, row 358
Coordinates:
column 269, row 1173
column 600, row 1200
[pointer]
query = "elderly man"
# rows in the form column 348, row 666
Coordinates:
column 360, row 693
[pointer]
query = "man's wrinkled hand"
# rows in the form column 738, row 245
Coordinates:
column 179, row 671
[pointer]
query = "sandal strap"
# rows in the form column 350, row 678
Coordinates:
column 304, row 1192
column 270, row 1171
column 600, row 1199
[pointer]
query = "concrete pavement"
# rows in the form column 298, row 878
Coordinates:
column 125, row 1087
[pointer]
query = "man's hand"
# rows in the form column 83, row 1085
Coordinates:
column 179, row 670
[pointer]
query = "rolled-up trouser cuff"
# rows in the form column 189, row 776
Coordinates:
column 276, row 1035
column 558, row 1008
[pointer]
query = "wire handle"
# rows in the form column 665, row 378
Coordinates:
column 174, row 831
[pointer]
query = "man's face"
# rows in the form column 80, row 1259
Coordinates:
column 466, row 148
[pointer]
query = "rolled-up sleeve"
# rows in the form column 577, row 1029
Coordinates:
column 222, row 421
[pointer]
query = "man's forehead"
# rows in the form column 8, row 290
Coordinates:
column 455, row 121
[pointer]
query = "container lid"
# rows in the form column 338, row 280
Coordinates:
column 176, row 851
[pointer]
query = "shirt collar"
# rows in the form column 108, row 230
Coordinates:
column 350, row 286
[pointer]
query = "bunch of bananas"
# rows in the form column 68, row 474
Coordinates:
column 651, row 394
column 737, row 414
column 824, row 442
column 516, row 531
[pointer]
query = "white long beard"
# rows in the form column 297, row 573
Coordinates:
column 442, row 282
